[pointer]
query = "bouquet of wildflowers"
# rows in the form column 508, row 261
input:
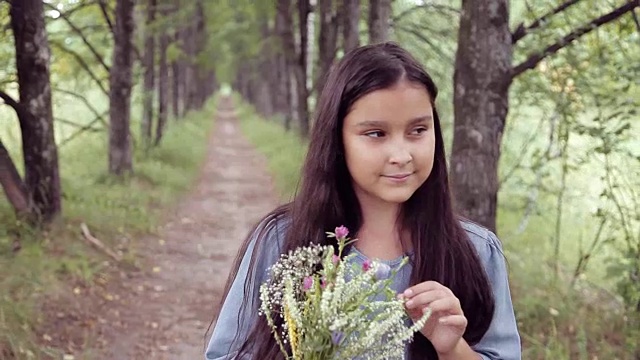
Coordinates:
column 330, row 310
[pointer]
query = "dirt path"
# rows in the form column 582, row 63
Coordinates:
column 168, row 307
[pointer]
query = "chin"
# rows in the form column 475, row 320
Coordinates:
column 396, row 198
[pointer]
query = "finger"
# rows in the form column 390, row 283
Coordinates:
column 422, row 287
column 454, row 320
column 449, row 305
column 417, row 313
column 426, row 298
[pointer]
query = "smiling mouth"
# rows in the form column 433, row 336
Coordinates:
column 398, row 176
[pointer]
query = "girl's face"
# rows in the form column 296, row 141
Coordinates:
column 389, row 143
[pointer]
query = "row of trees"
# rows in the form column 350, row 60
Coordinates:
column 485, row 69
column 176, row 73
column 277, row 55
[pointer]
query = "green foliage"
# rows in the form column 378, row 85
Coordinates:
column 283, row 150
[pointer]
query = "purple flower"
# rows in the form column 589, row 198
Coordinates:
column 382, row 271
column 335, row 259
column 337, row 337
column 323, row 283
column 307, row 283
column 366, row 265
column 342, row 232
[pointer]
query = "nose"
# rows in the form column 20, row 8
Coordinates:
column 400, row 155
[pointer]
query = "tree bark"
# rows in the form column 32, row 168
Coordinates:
column 120, row 154
column 149, row 73
column 379, row 17
column 328, row 42
column 283, row 96
column 190, row 89
column 42, row 178
column 163, row 88
column 202, row 73
column 482, row 80
column 301, row 71
column 12, row 184
column 351, row 24
column 176, row 91
column 483, row 74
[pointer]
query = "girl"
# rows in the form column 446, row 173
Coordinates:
column 376, row 163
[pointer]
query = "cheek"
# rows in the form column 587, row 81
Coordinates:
column 360, row 158
column 426, row 152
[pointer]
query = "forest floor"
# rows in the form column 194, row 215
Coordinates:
column 163, row 309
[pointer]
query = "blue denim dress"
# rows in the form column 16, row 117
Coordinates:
column 500, row 342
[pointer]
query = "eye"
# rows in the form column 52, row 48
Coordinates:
column 419, row 130
column 374, row 134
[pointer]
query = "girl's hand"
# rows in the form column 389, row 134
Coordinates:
column 447, row 323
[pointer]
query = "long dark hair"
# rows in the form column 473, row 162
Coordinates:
column 326, row 199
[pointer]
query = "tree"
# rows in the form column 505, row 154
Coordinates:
column 149, row 71
column 350, row 25
column 120, row 83
column 328, row 42
column 484, row 71
column 163, row 84
column 379, row 16
column 301, row 69
column 39, row 195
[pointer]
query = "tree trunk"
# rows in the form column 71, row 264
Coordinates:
column 149, row 73
column 163, row 88
column 175, row 92
column 301, row 71
column 291, row 63
column 200, row 68
column 379, row 17
column 350, row 25
column 42, row 179
column 327, row 43
column 120, row 155
column 482, row 79
column 190, row 89
column 12, row 184
column 283, row 103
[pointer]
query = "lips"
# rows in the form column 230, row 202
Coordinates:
column 398, row 176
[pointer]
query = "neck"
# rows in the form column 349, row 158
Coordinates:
column 379, row 235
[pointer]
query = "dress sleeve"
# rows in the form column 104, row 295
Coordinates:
column 237, row 316
column 502, row 340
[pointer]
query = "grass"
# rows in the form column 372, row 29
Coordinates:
column 285, row 153
column 116, row 211
column 556, row 321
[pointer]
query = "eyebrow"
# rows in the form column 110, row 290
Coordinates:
column 374, row 123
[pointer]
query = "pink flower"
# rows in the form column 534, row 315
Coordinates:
column 323, row 283
column 342, row 232
column 307, row 283
column 335, row 259
column 366, row 265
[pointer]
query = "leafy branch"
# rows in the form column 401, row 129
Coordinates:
column 442, row 9
column 98, row 115
column 11, row 102
column 534, row 59
column 77, row 30
column 80, row 60
column 522, row 30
